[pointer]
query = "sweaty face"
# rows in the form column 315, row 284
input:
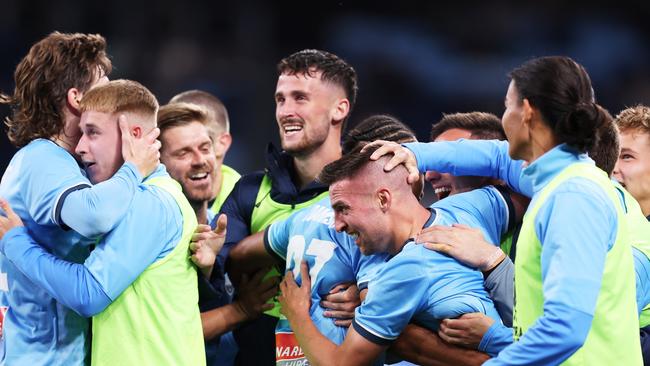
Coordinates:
column 445, row 184
column 304, row 111
column 512, row 121
column 356, row 213
column 100, row 146
column 188, row 154
column 633, row 166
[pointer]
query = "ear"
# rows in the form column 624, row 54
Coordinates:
column 384, row 198
column 528, row 113
column 73, row 100
column 341, row 110
column 134, row 130
column 222, row 144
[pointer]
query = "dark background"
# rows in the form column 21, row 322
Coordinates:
column 415, row 60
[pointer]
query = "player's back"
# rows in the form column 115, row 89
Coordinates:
column 37, row 330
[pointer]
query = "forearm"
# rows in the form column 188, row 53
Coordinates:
column 554, row 337
column 317, row 348
column 221, row 320
column 423, row 347
column 96, row 210
column 500, row 286
column 70, row 283
column 470, row 157
column 248, row 256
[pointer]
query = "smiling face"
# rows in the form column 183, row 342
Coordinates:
column 445, row 184
column 357, row 213
column 633, row 166
column 188, row 154
column 100, row 146
column 305, row 107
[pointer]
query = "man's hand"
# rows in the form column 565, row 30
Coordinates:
column 341, row 302
column 465, row 244
column 10, row 220
column 206, row 244
column 143, row 152
column 401, row 155
column 295, row 301
column 252, row 295
column 466, row 331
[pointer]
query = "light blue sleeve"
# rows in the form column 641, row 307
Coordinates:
column 496, row 339
column 69, row 283
column 487, row 158
column 116, row 262
column 94, row 211
column 151, row 229
column 278, row 236
column 642, row 275
column 394, row 296
column 367, row 266
column 572, row 259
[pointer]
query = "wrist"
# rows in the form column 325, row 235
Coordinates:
column 493, row 260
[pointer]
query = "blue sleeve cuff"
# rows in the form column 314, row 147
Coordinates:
column 495, row 339
column 370, row 336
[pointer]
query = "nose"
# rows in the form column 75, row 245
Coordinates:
column 432, row 176
column 82, row 146
column 285, row 110
column 198, row 159
column 616, row 173
column 339, row 224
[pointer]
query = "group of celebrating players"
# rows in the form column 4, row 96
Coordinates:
column 125, row 240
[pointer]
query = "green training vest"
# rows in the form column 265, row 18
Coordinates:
column 614, row 337
column 265, row 212
column 229, row 177
column 156, row 320
column 639, row 228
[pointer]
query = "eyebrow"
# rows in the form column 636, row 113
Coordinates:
column 339, row 206
column 627, row 150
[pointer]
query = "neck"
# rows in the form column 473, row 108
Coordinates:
column 201, row 211
column 219, row 181
column 408, row 224
column 65, row 142
column 541, row 142
column 308, row 167
column 645, row 207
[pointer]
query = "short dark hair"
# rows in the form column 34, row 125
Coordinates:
column 561, row 90
column 377, row 127
column 481, row 125
column 347, row 166
column 213, row 105
column 333, row 68
column 43, row 77
column 605, row 153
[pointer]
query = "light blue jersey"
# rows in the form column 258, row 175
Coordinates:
column 45, row 186
column 423, row 286
column 333, row 258
column 119, row 258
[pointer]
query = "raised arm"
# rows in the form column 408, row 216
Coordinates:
column 95, row 210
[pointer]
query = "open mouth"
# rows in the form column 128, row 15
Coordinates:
column 291, row 129
column 198, row 177
column 442, row 192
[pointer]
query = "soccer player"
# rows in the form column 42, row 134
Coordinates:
column 380, row 212
column 48, row 190
column 138, row 283
column 315, row 93
column 188, row 154
column 582, row 290
column 218, row 124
